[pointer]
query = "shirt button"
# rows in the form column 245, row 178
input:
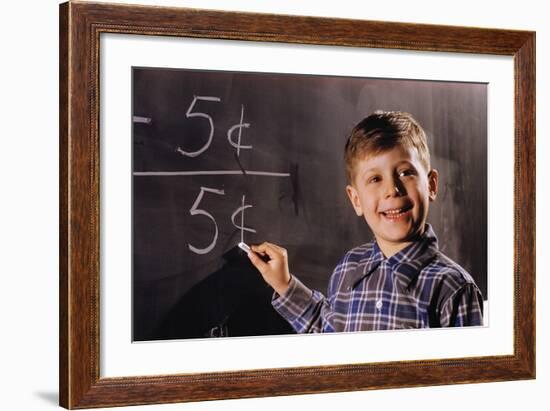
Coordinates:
column 379, row 304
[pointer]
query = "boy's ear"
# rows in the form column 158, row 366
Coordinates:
column 433, row 180
column 354, row 198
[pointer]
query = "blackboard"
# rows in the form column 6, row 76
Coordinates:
column 220, row 157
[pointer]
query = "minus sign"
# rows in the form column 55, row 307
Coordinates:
column 142, row 120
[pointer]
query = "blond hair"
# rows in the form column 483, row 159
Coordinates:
column 381, row 131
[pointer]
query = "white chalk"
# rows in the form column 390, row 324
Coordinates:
column 244, row 247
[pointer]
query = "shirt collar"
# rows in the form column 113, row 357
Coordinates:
column 406, row 264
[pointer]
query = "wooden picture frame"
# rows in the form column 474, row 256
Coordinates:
column 80, row 27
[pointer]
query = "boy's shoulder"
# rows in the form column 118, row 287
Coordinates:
column 351, row 266
column 443, row 268
column 354, row 257
column 364, row 254
column 360, row 252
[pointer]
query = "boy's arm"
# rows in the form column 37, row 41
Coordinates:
column 464, row 308
column 305, row 310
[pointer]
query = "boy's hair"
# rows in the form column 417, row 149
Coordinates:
column 381, row 131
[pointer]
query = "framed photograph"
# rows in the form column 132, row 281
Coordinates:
column 186, row 135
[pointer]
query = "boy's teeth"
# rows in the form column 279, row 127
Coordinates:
column 393, row 211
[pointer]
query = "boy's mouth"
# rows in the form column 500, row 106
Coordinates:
column 396, row 213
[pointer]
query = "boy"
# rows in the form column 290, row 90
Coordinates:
column 400, row 280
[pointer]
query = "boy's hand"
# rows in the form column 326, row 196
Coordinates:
column 275, row 271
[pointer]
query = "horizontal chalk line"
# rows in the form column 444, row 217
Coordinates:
column 209, row 173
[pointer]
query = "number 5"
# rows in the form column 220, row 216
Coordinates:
column 189, row 114
column 197, row 211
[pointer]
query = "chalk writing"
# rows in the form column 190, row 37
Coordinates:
column 241, row 210
column 196, row 211
column 239, row 127
column 234, row 137
column 190, row 114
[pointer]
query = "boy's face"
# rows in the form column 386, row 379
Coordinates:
column 392, row 190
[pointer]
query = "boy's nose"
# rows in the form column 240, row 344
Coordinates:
column 393, row 189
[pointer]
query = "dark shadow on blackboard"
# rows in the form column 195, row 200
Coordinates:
column 233, row 301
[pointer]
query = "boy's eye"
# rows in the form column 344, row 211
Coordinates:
column 406, row 172
column 373, row 179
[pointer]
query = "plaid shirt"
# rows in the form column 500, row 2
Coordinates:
column 415, row 288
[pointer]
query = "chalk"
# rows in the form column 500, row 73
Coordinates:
column 244, row 247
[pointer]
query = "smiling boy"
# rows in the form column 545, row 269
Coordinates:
column 399, row 280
